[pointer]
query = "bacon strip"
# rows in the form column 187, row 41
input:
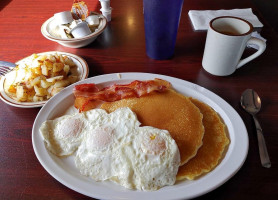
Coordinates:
column 118, row 92
column 83, row 89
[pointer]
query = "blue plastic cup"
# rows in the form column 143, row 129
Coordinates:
column 161, row 19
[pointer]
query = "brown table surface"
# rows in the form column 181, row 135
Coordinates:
column 121, row 48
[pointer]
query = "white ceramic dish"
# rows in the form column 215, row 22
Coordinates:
column 82, row 70
column 65, row 171
column 72, row 42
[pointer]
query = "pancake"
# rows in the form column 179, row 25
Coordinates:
column 214, row 144
column 171, row 111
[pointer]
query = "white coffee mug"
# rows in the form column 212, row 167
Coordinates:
column 226, row 41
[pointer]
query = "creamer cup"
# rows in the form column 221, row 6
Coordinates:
column 105, row 4
column 107, row 14
column 92, row 20
column 63, row 17
column 82, row 29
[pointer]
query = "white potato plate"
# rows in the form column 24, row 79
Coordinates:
column 82, row 70
column 64, row 170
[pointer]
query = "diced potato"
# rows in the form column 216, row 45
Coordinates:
column 41, row 57
column 56, row 90
column 66, row 69
column 12, row 89
column 40, row 91
column 61, row 58
column 62, row 83
column 72, row 78
column 44, row 70
column 48, row 63
column 21, row 93
column 57, row 67
column 52, row 58
column 30, row 98
column 56, row 78
column 49, row 90
column 38, row 70
column 69, row 62
column 37, row 98
column 36, row 80
column 45, row 84
column 42, row 77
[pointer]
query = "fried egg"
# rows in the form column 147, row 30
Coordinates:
column 63, row 135
column 100, row 154
column 114, row 147
column 117, row 149
column 154, row 158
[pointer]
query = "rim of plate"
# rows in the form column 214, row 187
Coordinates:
column 227, row 168
column 82, row 65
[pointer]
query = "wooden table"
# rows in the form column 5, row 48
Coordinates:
column 121, row 48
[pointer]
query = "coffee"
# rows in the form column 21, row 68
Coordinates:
column 229, row 32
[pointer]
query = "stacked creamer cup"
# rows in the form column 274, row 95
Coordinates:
column 106, row 9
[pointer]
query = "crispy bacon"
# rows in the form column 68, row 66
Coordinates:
column 83, row 89
column 88, row 94
column 118, row 92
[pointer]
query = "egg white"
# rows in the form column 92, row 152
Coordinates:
column 63, row 135
column 154, row 157
column 100, row 153
column 143, row 158
column 114, row 147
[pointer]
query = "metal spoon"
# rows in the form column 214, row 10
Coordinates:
column 251, row 102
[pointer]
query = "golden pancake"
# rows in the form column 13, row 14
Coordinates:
column 171, row 111
column 214, row 143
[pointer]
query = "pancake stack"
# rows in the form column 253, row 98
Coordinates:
column 197, row 129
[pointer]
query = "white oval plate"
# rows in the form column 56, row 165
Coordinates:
column 64, row 170
column 82, row 70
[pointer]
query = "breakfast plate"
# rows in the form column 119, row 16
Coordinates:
column 64, row 170
column 82, row 71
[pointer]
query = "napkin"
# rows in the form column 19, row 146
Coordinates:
column 256, row 35
column 201, row 18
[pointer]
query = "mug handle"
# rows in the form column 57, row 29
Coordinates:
column 260, row 43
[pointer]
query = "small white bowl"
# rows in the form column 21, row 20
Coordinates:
column 50, row 24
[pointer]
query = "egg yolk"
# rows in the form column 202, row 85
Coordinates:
column 153, row 144
column 70, row 128
column 101, row 138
